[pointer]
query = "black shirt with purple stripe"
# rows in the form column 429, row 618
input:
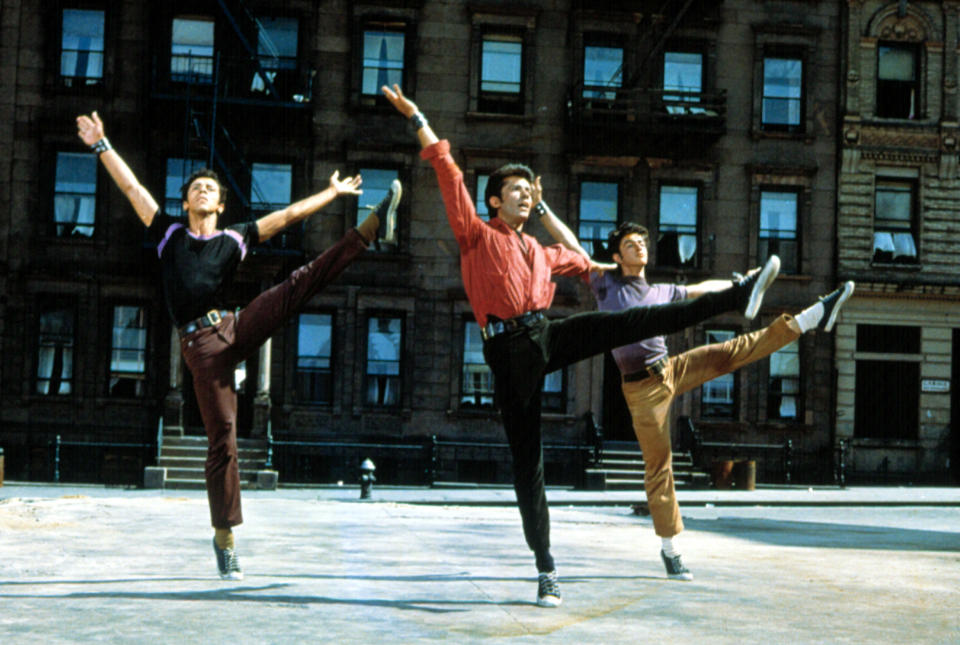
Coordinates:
column 195, row 269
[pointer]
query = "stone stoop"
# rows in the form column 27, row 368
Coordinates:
column 182, row 461
column 622, row 468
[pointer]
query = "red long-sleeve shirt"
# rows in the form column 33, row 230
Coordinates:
column 501, row 277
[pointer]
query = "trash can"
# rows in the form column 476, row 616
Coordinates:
column 723, row 474
column 745, row 475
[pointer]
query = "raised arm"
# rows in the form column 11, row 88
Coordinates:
column 560, row 231
column 271, row 224
column 409, row 109
column 90, row 131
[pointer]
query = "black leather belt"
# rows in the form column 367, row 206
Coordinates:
column 496, row 326
column 209, row 319
column 653, row 369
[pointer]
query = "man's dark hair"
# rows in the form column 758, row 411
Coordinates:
column 204, row 172
column 497, row 178
column 616, row 236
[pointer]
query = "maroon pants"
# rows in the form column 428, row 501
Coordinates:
column 212, row 354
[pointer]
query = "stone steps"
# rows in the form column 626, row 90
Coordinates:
column 182, row 460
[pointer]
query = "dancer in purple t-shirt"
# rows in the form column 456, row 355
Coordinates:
column 652, row 378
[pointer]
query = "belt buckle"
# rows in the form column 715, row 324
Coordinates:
column 213, row 317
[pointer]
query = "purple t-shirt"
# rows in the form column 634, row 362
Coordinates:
column 615, row 292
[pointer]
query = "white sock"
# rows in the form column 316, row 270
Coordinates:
column 669, row 549
column 810, row 317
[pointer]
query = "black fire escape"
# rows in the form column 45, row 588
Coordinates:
column 244, row 84
column 634, row 114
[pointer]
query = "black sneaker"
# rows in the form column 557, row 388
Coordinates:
column 832, row 303
column 548, row 592
column 228, row 563
column 758, row 282
column 675, row 568
column 386, row 212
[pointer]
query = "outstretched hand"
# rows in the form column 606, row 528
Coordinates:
column 602, row 267
column 404, row 106
column 90, row 128
column 536, row 192
column 347, row 185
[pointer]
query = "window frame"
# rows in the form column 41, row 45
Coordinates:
column 913, row 185
column 763, row 253
column 46, row 304
column 734, row 405
column 284, row 61
column 142, row 378
column 401, row 362
column 695, row 260
column 299, row 395
column 776, row 392
column 480, row 396
column 191, row 75
column 770, row 126
column 606, row 41
column 520, row 23
column 368, row 198
column 586, row 242
column 917, row 84
column 84, row 82
column 55, row 223
column 399, row 19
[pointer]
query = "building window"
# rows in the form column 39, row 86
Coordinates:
column 178, row 171
column 718, row 397
column 55, row 350
column 75, row 194
column 782, row 94
column 191, row 50
column 887, row 389
column 778, row 229
column 128, row 351
column 893, row 222
column 682, row 81
column 376, row 183
column 314, row 358
column 501, row 74
column 383, row 57
column 599, row 205
column 384, row 350
column 553, row 397
column 270, row 187
column 81, row 47
column 897, row 87
column 476, row 381
column 602, row 72
column 783, row 393
column 277, row 43
column 677, row 230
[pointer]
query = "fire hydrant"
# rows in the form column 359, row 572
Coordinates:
column 366, row 478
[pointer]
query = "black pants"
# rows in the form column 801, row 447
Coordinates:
column 520, row 358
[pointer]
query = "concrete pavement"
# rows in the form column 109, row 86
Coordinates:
column 94, row 564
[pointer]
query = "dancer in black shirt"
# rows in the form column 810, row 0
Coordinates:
column 197, row 261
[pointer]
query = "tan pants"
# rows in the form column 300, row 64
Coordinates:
column 649, row 402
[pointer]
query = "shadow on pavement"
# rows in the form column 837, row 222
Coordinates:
column 828, row 535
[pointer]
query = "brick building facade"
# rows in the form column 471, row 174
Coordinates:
column 714, row 124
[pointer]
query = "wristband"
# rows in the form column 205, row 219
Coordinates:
column 418, row 121
column 540, row 209
column 101, row 146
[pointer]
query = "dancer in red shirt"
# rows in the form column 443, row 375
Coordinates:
column 507, row 277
